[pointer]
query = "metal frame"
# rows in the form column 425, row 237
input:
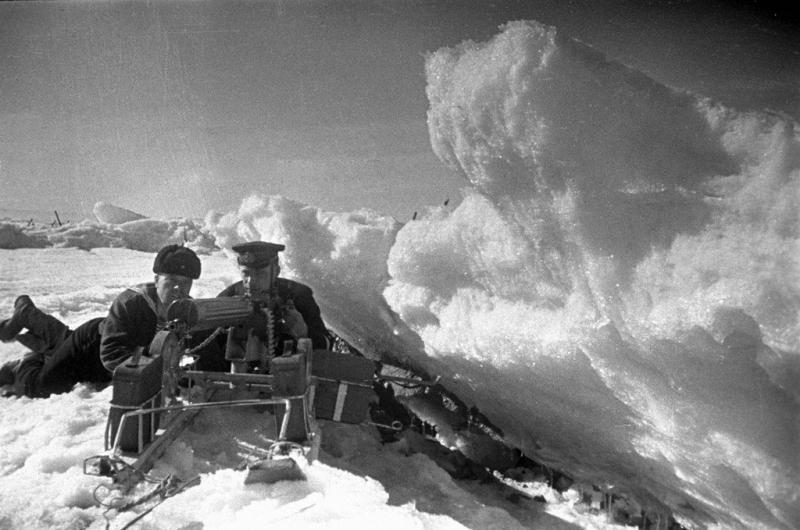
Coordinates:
column 115, row 450
column 148, row 406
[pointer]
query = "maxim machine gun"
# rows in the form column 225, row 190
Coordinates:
column 156, row 396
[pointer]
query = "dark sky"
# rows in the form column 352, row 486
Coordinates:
column 172, row 108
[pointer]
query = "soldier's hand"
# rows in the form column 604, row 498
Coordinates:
column 295, row 324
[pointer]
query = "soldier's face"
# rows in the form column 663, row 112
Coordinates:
column 171, row 287
column 259, row 281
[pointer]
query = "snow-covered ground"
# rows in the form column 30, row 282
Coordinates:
column 618, row 290
column 357, row 482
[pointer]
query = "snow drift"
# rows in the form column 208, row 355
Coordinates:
column 618, row 290
column 635, row 315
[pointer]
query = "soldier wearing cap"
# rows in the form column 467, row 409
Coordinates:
column 139, row 312
column 298, row 313
column 61, row 357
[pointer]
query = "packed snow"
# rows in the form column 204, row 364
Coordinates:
column 618, row 291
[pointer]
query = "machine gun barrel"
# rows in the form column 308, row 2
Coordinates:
column 210, row 313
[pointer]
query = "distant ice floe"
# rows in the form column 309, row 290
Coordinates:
column 12, row 236
column 115, row 227
column 111, row 214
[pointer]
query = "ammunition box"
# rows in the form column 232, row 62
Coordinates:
column 344, row 386
column 135, row 387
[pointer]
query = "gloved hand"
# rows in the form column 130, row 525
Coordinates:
column 293, row 321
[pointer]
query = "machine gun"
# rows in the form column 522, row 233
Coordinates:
column 155, row 396
column 159, row 390
column 255, row 327
column 250, row 325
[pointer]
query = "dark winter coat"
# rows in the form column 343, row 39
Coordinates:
column 91, row 352
column 75, row 360
column 303, row 299
column 132, row 322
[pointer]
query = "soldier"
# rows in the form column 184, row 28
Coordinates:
column 296, row 312
column 141, row 311
column 61, row 357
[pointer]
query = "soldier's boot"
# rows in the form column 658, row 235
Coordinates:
column 6, row 333
column 49, row 331
column 7, row 373
column 10, row 327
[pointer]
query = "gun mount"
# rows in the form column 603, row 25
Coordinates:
column 155, row 396
column 160, row 390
